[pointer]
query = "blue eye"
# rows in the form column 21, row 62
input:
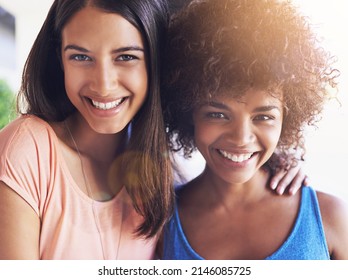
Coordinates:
column 80, row 57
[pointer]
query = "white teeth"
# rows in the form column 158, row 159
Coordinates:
column 236, row 157
column 108, row 105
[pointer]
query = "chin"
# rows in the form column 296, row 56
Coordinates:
column 108, row 129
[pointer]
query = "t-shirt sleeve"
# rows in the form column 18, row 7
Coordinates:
column 25, row 159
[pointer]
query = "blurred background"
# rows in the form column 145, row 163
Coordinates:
column 327, row 145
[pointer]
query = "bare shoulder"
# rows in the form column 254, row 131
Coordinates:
column 332, row 207
column 334, row 213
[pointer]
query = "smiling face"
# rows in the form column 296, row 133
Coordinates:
column 237, row 137
column 104, row 68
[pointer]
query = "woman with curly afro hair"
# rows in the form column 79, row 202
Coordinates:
column 242, row 80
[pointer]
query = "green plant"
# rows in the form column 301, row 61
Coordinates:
column 7, row 104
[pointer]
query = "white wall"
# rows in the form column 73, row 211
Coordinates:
column 8, row 52
column 29, row 15
column 8, row 56
column 328, row 146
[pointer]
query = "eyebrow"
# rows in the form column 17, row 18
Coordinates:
column 119, row 50
column 215, row 104
column 266, row 108
column 222, row 106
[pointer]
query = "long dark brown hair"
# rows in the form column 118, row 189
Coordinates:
column 145, row 166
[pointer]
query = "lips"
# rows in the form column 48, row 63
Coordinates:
column 241, row 157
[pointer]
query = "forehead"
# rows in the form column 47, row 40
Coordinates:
column 93, row 24
column 250, row 95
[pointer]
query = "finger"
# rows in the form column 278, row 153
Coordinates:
column 306, row 181
column 297, row 182
column 289, row 177
column 280, row 173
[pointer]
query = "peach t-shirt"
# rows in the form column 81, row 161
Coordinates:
column 31, row 164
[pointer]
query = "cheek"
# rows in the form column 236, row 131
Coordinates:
column 74, row 81
column 142, row 83
column 272, row 137
column 204, row 136
column 136, row 81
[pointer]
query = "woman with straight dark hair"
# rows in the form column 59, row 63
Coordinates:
column 84, row 170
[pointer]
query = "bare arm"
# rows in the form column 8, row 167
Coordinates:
column 335, row 219
column 19, row 227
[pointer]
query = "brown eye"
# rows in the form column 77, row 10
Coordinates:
column 263, row 118
column 216, row 115
column 126, row 57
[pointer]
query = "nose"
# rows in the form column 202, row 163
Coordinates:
column 240, row 133
column 104, row 78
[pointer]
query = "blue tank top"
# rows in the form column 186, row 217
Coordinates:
column 306, row 241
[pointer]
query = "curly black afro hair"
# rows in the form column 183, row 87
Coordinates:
column 232, row 45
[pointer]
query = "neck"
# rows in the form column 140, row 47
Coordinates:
column 99, row 147
column 220, row 191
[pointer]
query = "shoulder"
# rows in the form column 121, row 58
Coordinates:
column 27, row 146
column 25, row 124
column 332, row 206
column 24, row 131
column 185, row 194
column 334, row 212
column 26, row 156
